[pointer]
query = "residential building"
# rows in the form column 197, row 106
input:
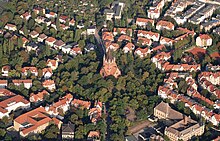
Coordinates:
column 115, row 11
column 34, row 34
column 142, row 52
column 128, row 48
column 12, row 104
column 184, row 130
column 3, row 83
column 11, row 27
column 149, row 35
column 31, row 70
column 31, row 46
column 5, row 70
column 68, row 131
column 81, row 104
column 91, row 30
column 34, row 121
column 42, row 37
column 26, row 82
column 47, row 73
column 144, row 41
column 58, row 44
column 93, row 136
column 26, row 16
column 75, row 51
column 49, row 84
column 50, row 41
column 40, row 96
column 164, row 25
column 142, row 22
column 60, row 107
column 53, row 64
column 51, row 15
column 203, row 40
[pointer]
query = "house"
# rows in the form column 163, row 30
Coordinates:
column 60, row 107
column 142, row 22
column 41, row 37
column 203, row 40
column 184, row 130
column 63, row 18
column 11, row 27
column 166, row 41
column 142, row 52
column 51, row 15
column 124, row 38
column 115, row 11
column 26, row 16
column 40, row 96
column 68, row 131
column 5, row 70
column 164, row 111
column 67, row 48
column 34, row 121
column 149, row 35
column 90, row 47
column 215, row 119
column 96, row 112
column 110, row 45
column 125, row 31
column 109, row 13
column 32, row 70
column 50, row 41
column 109, row 66
column 72, row 22
column 3, row 83
column 58, row 44
column 75, row 51
column 91, row 30
column 164, row 25
column 93, row 136
column 49, row 84
column 153, row 13
column 53, row 64
column 4, row 93
column 47, row 73
column 24, row 41
column 64, row 27
column 40, row 20
column 31, row 46
column 80, row 103
column 129, row 47
column 26, row 82
column 38, row 9
column 12, row 104
column 107, row 36
column 144, row 41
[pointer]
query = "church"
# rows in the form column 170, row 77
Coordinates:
column 109, row 66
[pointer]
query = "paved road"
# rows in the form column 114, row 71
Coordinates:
column 134, row 129
column 100, row 42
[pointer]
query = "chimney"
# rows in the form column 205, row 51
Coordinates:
column 185, row 119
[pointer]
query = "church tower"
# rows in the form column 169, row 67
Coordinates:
column 109, row 65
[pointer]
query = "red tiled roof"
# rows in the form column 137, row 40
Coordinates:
column 144, row 20
column 50, row 39
column 22, row 81
column 204, row 36
column 78, row 102
column 165, row 24
column 32, row 69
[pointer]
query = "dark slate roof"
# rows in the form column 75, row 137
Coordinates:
column 68, row 128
